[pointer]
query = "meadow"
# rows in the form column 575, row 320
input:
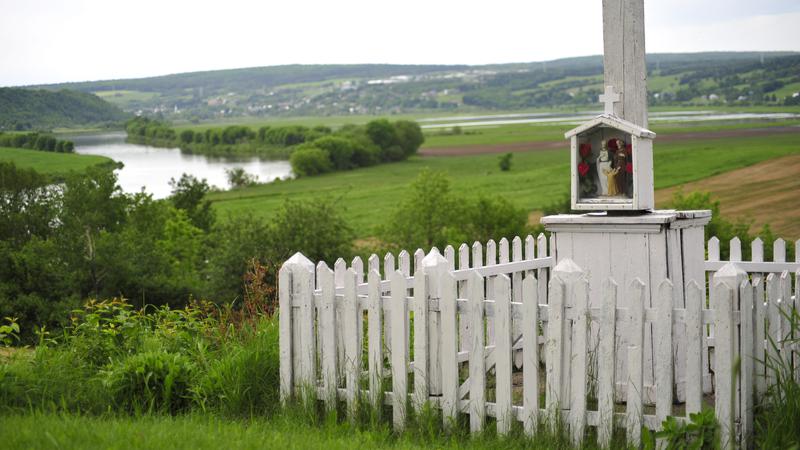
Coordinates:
column 49, row 163
column 536, row 179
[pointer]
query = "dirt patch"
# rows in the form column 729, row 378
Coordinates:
column 766, row 192
column 517, row 147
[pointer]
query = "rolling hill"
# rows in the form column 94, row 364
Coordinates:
column 28, row 109
column 716, row 79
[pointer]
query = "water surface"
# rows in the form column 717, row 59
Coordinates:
column 152, row 168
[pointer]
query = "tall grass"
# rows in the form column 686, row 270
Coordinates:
column 778, row 417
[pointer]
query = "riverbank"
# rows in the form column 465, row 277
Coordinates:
column 53, row 164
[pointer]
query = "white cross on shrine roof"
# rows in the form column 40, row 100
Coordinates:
column 609, row 97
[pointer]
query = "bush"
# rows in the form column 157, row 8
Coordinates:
column 309, row 161
column 340, row 151
column 505, row 162
column 151, row 381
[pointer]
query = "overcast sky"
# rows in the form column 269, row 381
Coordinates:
column 45, row 41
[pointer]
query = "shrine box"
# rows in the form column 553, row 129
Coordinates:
column 611, row 165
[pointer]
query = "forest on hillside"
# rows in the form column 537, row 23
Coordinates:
column 28, row 109
column 680, row 79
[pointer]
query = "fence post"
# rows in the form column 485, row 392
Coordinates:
column 530, row 353
column 449, row 316
column 565, row 275
column 297, row 345
column 634, row 409
column 477, row 364
column 725, row 300
column 434, row 266
column 328, row 335
column 398, row 311
column 606, row 361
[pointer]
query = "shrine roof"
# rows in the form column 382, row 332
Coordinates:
column 612, row 121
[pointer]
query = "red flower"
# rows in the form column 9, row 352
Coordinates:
column 629, row 148
column 583, row 168
column 629, row 168
column 585, row 149
column 613, row 144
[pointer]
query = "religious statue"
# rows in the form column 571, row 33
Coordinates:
column 620, row 166
column 603, row 168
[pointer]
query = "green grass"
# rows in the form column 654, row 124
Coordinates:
column 50, row 163
column 535, row 180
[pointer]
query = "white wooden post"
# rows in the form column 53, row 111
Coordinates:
column 516, row 290
column 477, row 364
column 464, row 336
column 502, row 354
column 760, row 335
column 388, row 270
column 748, row 361
column 375, row 342
column 530, row 353
column 450, row 381
column 726, row 298
column 339, row 270
column 435, row 266
column 663, row 357
column 773, row 327
column 351, row 330
column 695, row 297
column 399, row 318
column 305, row 347
column 580, row 356
column 328, row 334
column 290, row 290
column 623, row 57
column 605, row 363
column 422, row 282
column 635, row 395
column 559, row 337
column 491, row 260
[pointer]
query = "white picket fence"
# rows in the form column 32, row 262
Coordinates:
column 419, row 343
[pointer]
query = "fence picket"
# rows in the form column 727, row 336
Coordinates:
column 726, row 289
column 580, row 354
column 634, row 408
column 477, row 364
column 399, row 318
column 404, row 263
column 491, row 260
column 339, row 269
column 713, row 249
column 464, row 336
column 388, row 270
column 328, row 335
column 530, row 354
column 448, row 307
column 530, row 247
column 784, row 314
column 450, row 256
column 773, row 324
column 516, row 296
column 664, row 366
column 307, row 348
column 541, row 274
column 796, row 336
column 694, row 348
column 351, row 313
column 735, row 250
column 605, row 363
column 759, row 338
column 779, row 250
column 747, row 360
column 421, row 342
column 375, row 342
column 555, row 349
column 502, row 353
column 285, row 329
column 358, row 266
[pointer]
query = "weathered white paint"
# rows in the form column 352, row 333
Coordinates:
column 399, row 318
column 579, row 359
column 374, row 339
column 530, row 350
column 477, row 365
column 502, row 351
column 351, row 313
column 635, row 396
column 449, row 338
column 605, row 360
column 328, row 335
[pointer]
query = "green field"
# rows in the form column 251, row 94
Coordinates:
column 50, row 163
column 536, row 179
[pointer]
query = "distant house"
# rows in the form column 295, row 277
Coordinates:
column 713, row 97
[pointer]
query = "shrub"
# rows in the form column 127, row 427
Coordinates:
column 151, row 381
column 409, row 136
column 505, row 162
column 309, row 161
column 340, row 151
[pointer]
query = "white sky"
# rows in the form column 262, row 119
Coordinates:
column 46, row 41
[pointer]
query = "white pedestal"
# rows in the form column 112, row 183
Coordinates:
column 650, row 246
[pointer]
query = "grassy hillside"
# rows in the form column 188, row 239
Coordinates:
column 26, row 109
column 50, row 163
column 535, row 180
column 720, row 78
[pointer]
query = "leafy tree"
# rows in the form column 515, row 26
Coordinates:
column 493, row 218
column 505, row 162
column 382, row 133
column 187, row 136
column 316, row 228
column 340, row 151
column 427, row 217
column 238, row 177
column 409, row 136
column 309, row 161
column 188, row 194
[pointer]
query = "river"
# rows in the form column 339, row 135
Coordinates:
column 152, row 168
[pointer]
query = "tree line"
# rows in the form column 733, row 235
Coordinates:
column 310, row 150
column 36, row 141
